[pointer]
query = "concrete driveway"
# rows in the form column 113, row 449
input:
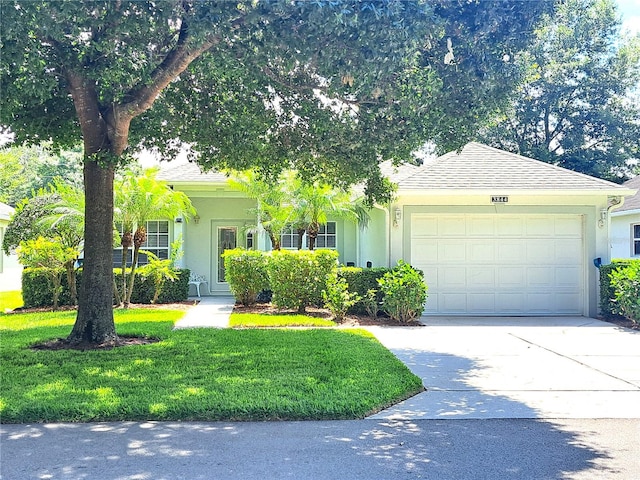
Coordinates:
column 521, row 367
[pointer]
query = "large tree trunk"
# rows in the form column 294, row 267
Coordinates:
column 94, row 323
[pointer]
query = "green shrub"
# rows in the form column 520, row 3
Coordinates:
column 607, row 296
column 297, row 278
column 625, row 283
column 246, row 273
column 337, row 297
column 360, row 281
column 37, row 293
column 403, row 293
column 371, row 303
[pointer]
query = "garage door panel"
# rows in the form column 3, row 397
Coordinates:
column 509, row 251
column 452, row 278
column 568, row 277
column 501, row 264
column 539, row 226
column 424, row 226
column 510, row 278
column 453, row 251
column 541, row 277
column 540, row 251
column 568, row 226
column 424, row 251
column 481, row 251
column 452, row 226
column 509, row 226
column 481, row 303
column 480, row 277
column 452, row 303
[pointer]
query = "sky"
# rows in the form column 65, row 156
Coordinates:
column 630, row 11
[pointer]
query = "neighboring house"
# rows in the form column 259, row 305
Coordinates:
column 495, row 233
column 10, row 269
column 625, row 224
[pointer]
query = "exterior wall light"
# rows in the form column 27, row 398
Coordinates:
column 397, row 216
column 196, row 219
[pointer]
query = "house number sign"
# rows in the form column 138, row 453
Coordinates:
column 499, row 199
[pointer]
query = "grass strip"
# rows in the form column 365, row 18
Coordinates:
column 254, row 320
column 195, row 374
column 10, row 300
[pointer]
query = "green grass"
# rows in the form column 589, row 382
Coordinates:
column 251, row 320
column 198, row 374
column 10, row 300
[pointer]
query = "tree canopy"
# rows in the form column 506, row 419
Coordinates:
column 326, row 87
column 579, row 106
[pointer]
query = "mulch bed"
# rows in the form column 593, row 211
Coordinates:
column 122, row 341
column 350, row 320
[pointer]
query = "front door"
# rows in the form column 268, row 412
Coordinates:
column 225, row 238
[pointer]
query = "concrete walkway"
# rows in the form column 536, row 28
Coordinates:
column 210, row 312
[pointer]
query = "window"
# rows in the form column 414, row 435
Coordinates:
column 636, row 239
column 327, row 237
column 157, row 243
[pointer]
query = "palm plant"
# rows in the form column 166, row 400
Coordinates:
column 273, row 212
column 315, row 203
column 146, row 198
column 65, row 223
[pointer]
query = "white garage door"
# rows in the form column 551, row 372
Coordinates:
column 500, row 264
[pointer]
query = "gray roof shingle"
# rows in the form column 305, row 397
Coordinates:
column 480, row 167
column 189, row 173
column 633, row 202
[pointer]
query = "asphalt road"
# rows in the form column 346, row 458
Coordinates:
column 361, row 449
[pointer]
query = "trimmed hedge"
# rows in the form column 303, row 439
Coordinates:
column 360, row 280
column 607, row 295
column 298, row 278
column 246, row 272
column 36, row 291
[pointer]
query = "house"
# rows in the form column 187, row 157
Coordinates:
column 495, row 233
column 625, row 224
column 10, row 268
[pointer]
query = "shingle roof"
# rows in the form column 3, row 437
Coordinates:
column 479, row 167
column 189, row 173
column 633, row 202
column 476, row 168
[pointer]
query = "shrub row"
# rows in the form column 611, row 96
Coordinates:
column 37, row 292
column 298, row 279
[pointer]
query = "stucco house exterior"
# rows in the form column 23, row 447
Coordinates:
column 10, row 268
column 625, row 224
column 495, row 233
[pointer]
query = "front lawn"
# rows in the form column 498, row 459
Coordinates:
column 10, row 300
column 198, row 374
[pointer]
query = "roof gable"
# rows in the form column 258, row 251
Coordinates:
column 633, row 202
column 189, row 173
column 480, row 167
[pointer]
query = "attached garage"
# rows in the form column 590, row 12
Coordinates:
column 500, row 264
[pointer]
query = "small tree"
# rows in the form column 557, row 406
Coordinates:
column 50, row 256
column 337, row 297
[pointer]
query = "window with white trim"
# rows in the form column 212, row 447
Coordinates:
column 635, row 233
column 157, row 243
column 327, row 238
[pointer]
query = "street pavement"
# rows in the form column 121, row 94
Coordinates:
column 506, row 398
